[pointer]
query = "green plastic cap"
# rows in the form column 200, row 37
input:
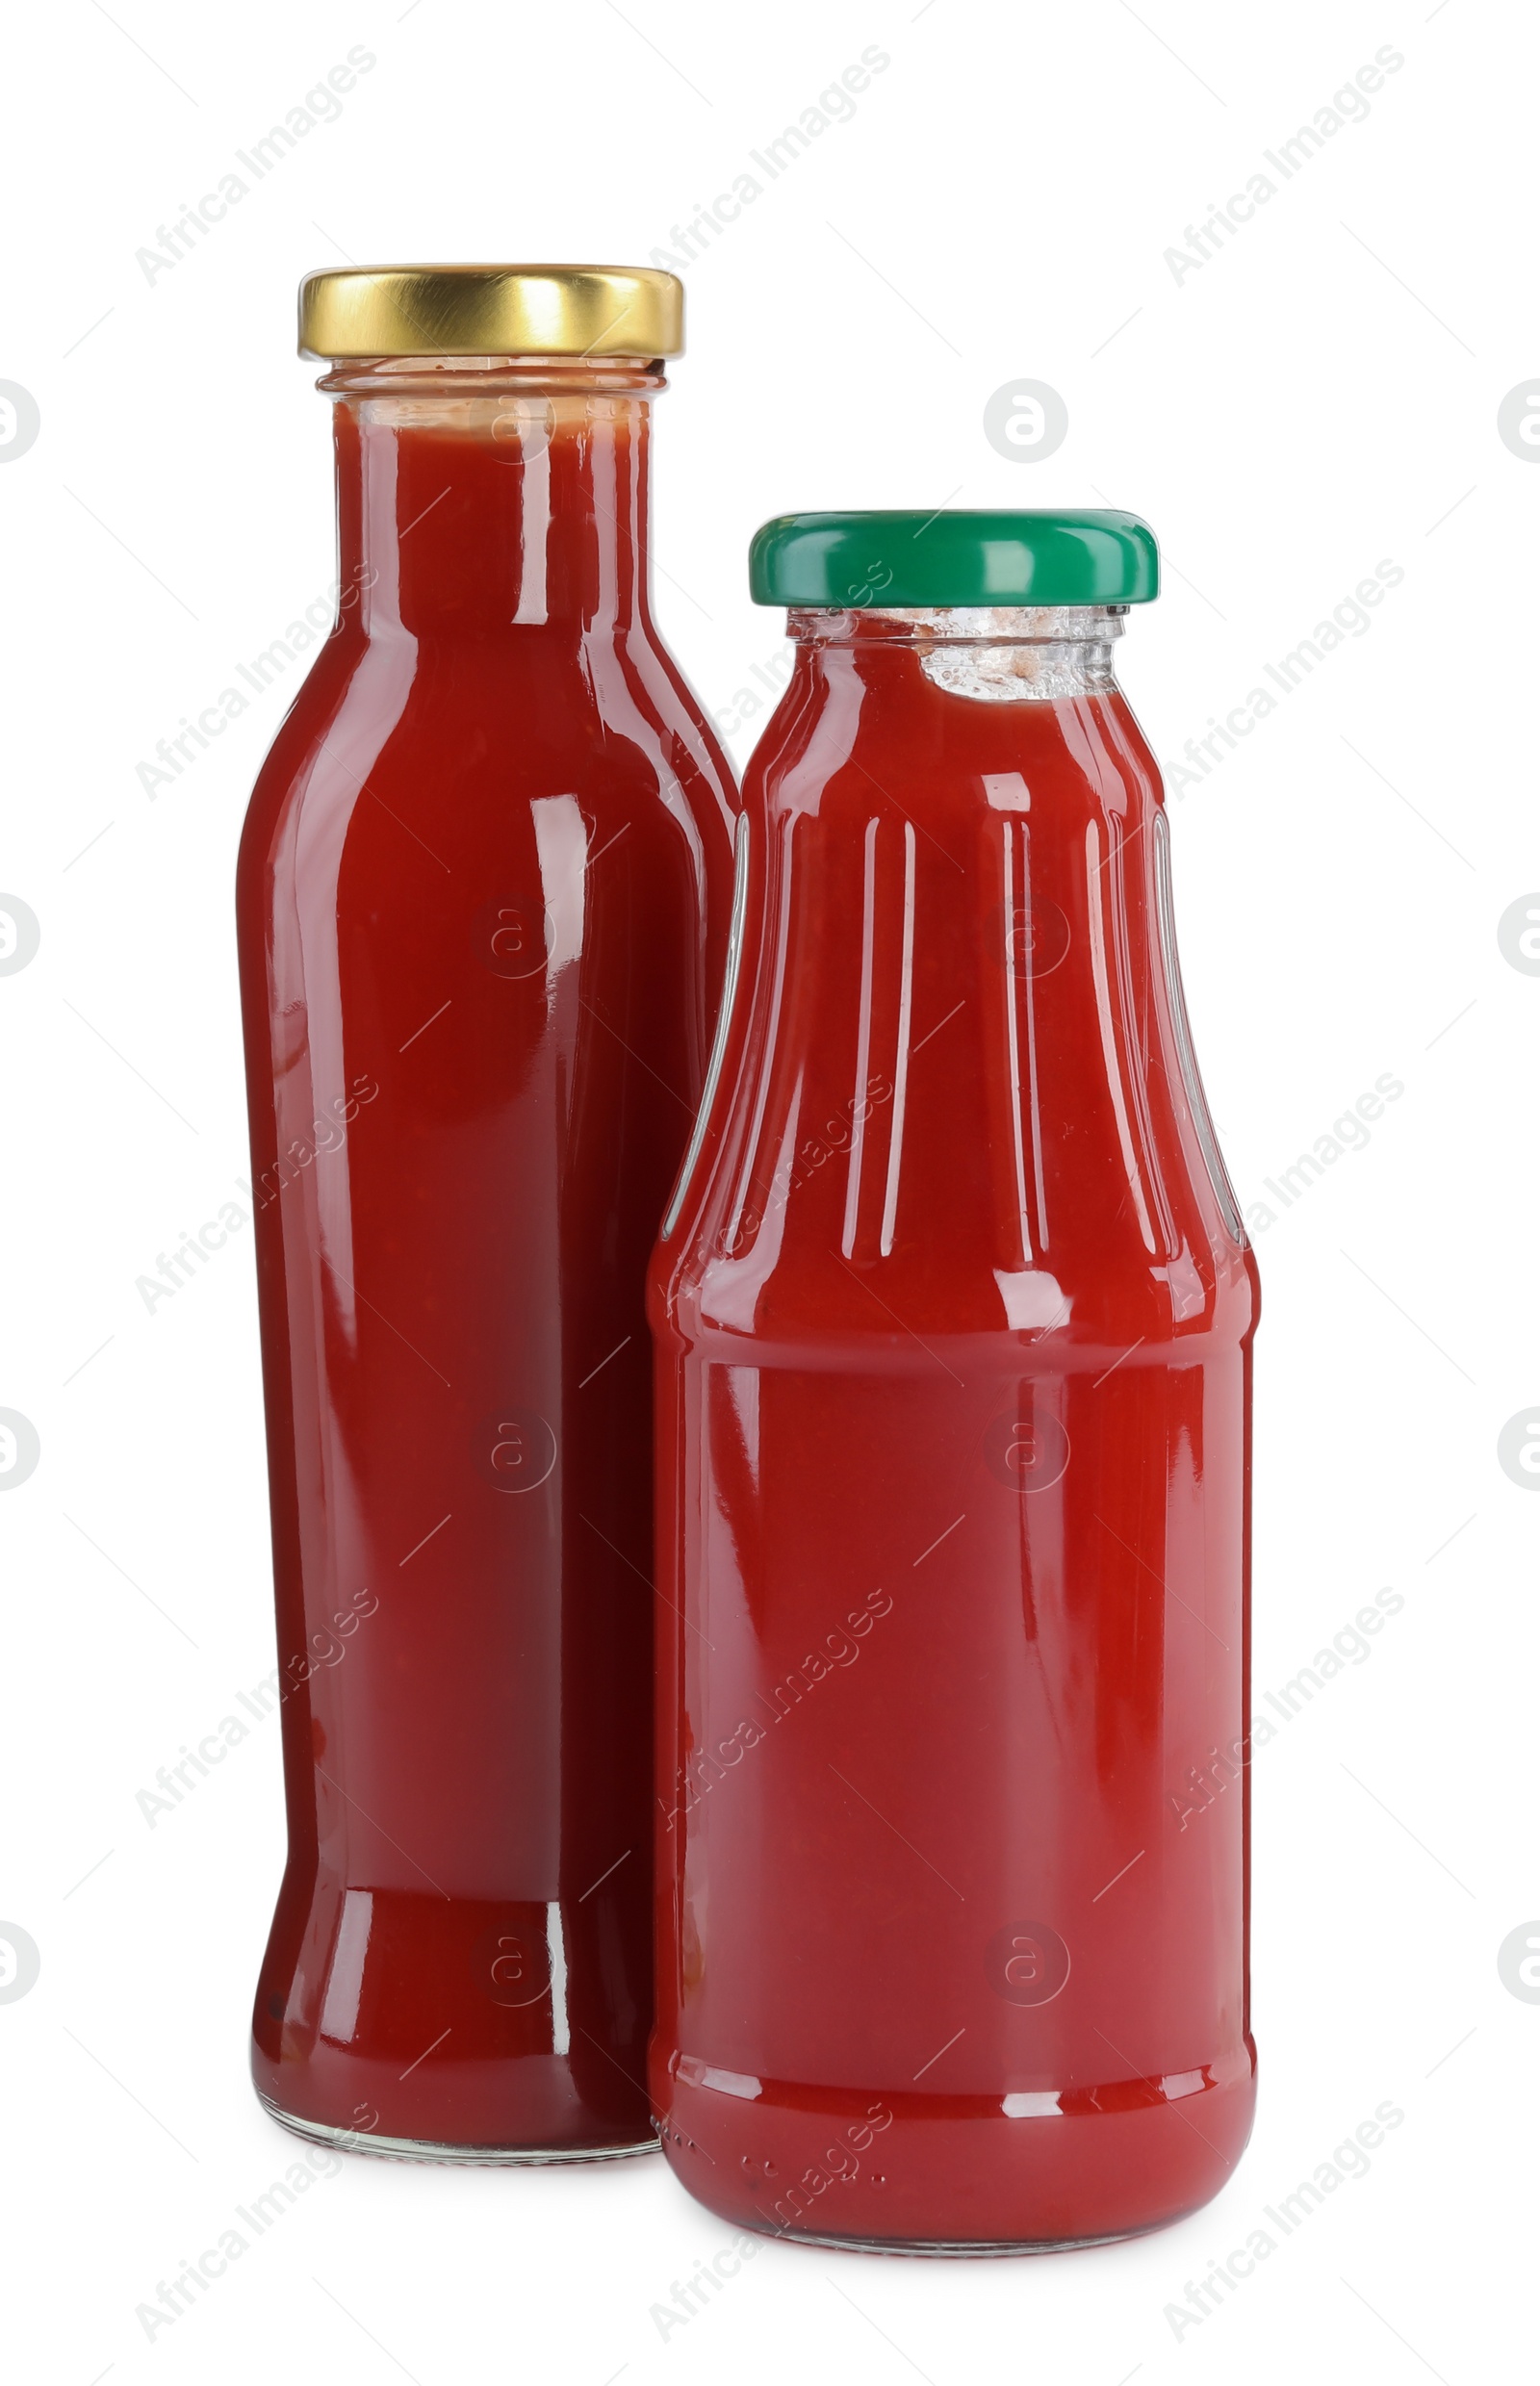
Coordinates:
column 844, row 560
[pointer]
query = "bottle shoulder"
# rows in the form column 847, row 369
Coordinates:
column 946, row 1305
column 886, row 725
column 490, row 726
column 958, row 1095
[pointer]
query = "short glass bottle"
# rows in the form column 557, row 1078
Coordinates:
column 954, row 1315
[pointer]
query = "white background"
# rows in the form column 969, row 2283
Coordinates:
column 1318, row 397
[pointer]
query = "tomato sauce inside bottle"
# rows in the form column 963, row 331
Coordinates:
column 953, row 1318
column 482, row 912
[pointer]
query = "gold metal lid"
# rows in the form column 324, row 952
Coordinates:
column 492, row 310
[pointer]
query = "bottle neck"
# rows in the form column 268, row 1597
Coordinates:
column 992, row 653
column 476, row 496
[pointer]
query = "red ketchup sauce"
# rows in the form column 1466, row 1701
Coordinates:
column 954, row 1332
column 482, row 905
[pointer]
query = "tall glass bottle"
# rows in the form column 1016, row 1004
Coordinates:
column 482, row 906
column 953, row 1318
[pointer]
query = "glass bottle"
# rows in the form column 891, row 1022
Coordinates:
column 954, row 1315
column 482, row 908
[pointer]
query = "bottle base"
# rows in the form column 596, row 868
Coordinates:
column 430, row 2150
column 905, row 2172
column 925, row 2248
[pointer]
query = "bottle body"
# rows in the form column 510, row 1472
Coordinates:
column 953, row 1333
column 481, row 910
